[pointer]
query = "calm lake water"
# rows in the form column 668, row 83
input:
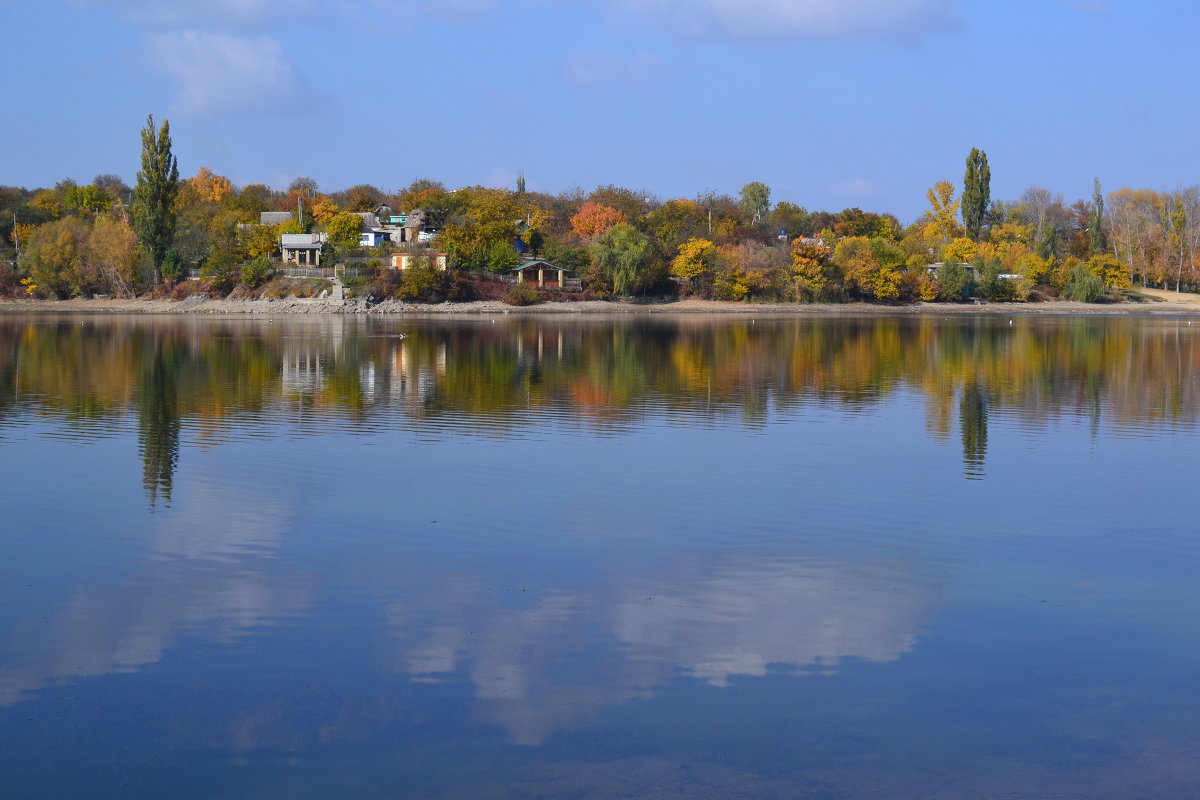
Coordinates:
column 652, row 558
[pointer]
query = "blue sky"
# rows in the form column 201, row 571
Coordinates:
column 833, row 103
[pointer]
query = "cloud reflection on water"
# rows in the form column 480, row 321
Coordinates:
column 553, row 662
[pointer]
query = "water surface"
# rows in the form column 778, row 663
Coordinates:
column 667, row 558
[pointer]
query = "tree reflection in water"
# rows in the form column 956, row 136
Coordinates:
column 215, row 376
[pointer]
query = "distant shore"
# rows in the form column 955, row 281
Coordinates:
column 1155, row 302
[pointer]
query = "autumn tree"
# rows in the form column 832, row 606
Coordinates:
column 363, row 197
column 55, row 258
column 810, row 268
column 261, row 241
column 694, row 260
column 977, row 193
column 112, row 248
column 154, row 196
column 1109, row 270
column 943, row 208
column 210, row 187
column 302, row 187
column 324, row 209
column 632, row 203
column 674, row 222
column 594, row 219
column 755, row 201
column 870, row 268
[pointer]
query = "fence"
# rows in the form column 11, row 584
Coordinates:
column 294, row 271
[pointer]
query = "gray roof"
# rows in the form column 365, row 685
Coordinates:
column 369, row 220
column 274, row 217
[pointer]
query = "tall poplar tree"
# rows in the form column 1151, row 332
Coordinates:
column 154, row 195
column 1096, row 222
column 977, row 193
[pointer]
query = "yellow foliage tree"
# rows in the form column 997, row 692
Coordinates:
column 261, row 241
column 810, row 260
column 695, row 259
column 943, row 208
column 211, row 187
column 48, row 201
column 324, row 209
column 344, row 228
column 113, row 249
column 962, row 249
column 865, row 271
column 1114, row 274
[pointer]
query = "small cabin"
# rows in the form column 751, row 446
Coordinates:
column 545, row 275
column 301, row 248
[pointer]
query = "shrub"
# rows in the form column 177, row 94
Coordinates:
column 172, row 266
column 1085, row 286
column 219, row 272
column 255, row 272
column 418, row 282
column 521, row 296
column 954, row 280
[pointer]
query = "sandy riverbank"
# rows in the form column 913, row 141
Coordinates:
column 1153, row 302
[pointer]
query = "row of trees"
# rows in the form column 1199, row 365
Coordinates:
column 108, row 237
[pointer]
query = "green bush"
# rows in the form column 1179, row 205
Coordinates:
column 954, row 280
column 172, row 266
column 256, row 272
column 1085, row 286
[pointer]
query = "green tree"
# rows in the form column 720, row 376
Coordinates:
column 954, row 280
column 343, row 229
column 1096, row 221
column 90, row 199
column 154, row 196
column 172, row 266
column 1085, row 285
column 977, row 193
column 502, row 257
column 755, row 201
column 623, row 256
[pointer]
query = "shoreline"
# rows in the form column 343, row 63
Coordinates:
column 1154, row 306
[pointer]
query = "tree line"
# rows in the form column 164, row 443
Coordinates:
column 108, row 237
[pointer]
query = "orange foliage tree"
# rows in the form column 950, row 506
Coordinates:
column 594, row 219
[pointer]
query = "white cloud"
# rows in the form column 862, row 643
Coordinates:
column 799, row 19
column 598, row 69
column 221, row 73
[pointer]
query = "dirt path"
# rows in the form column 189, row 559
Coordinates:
column 1175, row 298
